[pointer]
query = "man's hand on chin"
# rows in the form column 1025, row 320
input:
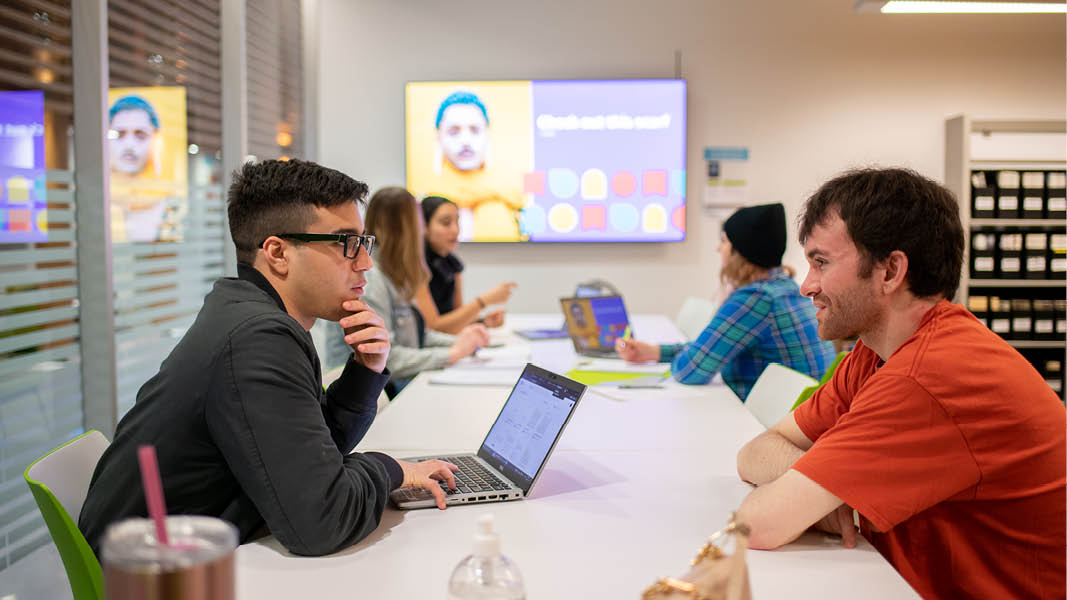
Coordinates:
column 365, row 332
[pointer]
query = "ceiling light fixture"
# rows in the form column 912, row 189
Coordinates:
column 959, row 7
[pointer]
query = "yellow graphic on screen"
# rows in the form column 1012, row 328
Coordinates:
column 594, row 185
column 562, row 218
column 18, row 190
column 655, row 218
column 471, row 143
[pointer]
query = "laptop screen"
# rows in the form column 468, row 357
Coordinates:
column 529, row 425
column 595, row 323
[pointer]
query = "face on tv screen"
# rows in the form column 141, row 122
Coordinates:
column 552, row 161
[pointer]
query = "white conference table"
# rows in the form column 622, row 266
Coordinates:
column 639, row 480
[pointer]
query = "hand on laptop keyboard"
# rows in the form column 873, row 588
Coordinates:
column 472, row 476
column 427, row 474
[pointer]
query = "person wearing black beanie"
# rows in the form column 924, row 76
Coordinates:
column 764, row 319
column 758, row 234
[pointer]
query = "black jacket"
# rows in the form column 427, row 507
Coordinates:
column 243, row 431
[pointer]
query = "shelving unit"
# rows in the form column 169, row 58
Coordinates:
column 1009, row 178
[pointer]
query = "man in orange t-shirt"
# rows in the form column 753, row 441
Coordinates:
column 941, row 436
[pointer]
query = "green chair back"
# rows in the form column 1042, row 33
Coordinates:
column 809, row 391
column 59, row 482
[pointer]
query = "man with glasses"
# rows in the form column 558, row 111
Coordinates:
column 241, row 425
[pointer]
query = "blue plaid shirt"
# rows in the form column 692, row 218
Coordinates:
column 763, row 322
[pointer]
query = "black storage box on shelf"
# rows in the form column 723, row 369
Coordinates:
column 1009, row 264
column 983, row 194
column 1008, row 195
column 1036, row 252
column 1055, row 195
column 1044, row 319
column 1057, row 255
column 983, row 255
column 1022, row 327
column 1032, row 205
column 1000, row 316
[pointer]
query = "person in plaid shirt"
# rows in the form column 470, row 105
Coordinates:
column 765, row 319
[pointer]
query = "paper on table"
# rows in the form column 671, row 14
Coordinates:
column 508, row 357
column 454, row 376
column 514, row 351
column 477, row 363
column 612, row 365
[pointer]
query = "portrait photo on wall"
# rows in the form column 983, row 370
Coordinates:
column 148, row 144
column 472, row 144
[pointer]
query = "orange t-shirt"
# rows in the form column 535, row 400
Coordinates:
column 953, row 452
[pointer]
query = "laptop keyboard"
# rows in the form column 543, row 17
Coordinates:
column 472, row 477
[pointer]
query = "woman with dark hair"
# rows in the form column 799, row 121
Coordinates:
column 441, row 300
column 764, row 319
column 399, row 271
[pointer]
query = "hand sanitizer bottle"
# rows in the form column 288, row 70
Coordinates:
column 486, row 574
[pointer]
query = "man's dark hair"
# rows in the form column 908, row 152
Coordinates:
column 273, row 196
column 895, row 209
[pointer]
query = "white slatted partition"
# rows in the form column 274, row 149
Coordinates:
column 160, row 286
column 40, row 366
column 275, row 61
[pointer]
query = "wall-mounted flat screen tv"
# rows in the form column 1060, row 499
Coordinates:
column 552, row 161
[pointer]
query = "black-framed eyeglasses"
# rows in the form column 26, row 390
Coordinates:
column 351, row 241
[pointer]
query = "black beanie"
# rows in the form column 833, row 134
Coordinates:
column 758, row 234
column 430, row 204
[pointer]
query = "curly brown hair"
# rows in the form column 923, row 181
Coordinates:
column 895, row 209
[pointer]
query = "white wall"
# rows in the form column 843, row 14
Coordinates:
column 809, row 86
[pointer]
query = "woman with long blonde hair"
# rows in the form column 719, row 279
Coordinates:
column 399, row 272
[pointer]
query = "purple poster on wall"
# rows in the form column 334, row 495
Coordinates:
column 23, row 216
column 609, row 162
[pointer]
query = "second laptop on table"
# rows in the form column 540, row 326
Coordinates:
column 595, row 323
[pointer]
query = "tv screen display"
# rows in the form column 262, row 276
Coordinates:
column 552, row 161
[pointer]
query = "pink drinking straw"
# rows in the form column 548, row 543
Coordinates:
column 153, row 491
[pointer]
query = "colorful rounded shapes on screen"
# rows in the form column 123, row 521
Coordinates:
column 563, row 183
column 594, row 217
column 655, row 183
column 623, row 216
column 18, row 220
column 678, row 218
column 532, row 220
column 562, row 218
column 18, row 190
column 42, row 220
column 678, row 182
column 654, row 218
column 594, row 185
column 533, row 183
column 623, row 183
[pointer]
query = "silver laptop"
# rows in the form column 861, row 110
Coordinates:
column 516, row 448
column 594, row 323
